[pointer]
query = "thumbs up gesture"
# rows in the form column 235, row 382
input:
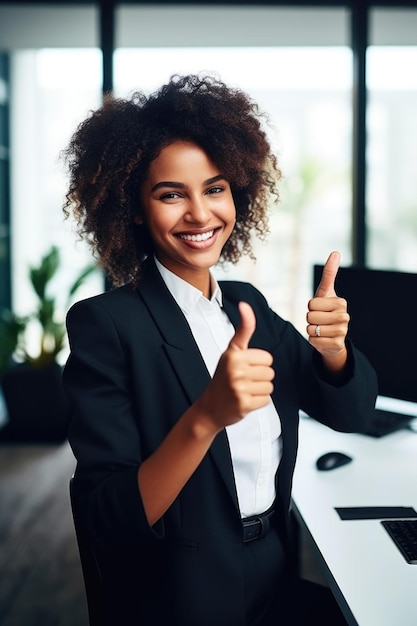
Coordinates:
column 242, row 381
column 328, row 318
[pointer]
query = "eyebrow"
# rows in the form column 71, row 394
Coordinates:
column 175, row 185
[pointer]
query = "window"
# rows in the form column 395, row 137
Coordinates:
column 392, row 140
column 55, row 78
column 4, row 183
column 52, row 91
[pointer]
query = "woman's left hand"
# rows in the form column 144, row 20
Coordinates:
column 328, row 318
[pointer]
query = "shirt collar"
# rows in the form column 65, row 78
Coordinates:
column 187, row 296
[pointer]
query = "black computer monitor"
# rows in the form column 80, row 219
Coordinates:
column 383, row 324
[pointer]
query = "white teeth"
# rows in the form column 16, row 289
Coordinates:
column 199, row 237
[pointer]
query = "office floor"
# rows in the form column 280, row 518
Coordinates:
column 41, row 583
column 41, row 580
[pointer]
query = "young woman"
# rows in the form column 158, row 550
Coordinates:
column 185, row 392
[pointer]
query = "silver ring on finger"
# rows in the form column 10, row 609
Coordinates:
column 318, row 330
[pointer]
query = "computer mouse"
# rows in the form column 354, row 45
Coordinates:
column 331, row 460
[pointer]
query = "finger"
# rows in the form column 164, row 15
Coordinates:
column 262, row 373
column 246, row 328
column 326, row 285
column 260, row 388
column 328, row 331
column 325, row 305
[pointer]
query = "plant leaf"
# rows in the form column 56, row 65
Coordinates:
column 41, row 275
column 81, row 278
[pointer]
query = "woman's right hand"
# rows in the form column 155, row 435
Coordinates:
column 242, row 381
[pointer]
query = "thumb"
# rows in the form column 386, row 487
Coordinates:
column 325, row 288
column 246, row 328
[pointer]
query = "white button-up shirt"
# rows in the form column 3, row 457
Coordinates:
column 254, row 441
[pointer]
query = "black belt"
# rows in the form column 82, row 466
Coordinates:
column 256, row 526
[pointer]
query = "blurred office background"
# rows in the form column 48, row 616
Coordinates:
column 339, row 82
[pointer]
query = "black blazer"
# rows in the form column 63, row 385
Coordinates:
column 133, row 370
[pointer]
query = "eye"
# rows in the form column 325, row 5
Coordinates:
column 216, row 189
column 170, row 195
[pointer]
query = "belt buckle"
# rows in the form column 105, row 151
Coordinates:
column 256, row 529
column 252, row 530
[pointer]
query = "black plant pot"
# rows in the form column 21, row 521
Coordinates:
column 36, row 403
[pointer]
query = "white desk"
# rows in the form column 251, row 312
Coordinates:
column 369, row 577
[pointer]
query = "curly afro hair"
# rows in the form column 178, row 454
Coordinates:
column 109, row 154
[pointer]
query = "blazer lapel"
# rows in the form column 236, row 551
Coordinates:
column 184, row 356
column 179, row 343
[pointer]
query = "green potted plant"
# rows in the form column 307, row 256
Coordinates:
column 31, row 381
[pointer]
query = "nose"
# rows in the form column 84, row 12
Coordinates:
column 197, row 210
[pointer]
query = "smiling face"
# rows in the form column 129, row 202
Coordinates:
column 188, row 208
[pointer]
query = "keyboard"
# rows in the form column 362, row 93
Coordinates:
column 403, row 532
column 386, row 422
